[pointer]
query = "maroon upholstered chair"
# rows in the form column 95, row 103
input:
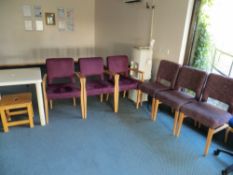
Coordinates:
column 92, row 72
column 60, row 82
column 119, row 65
column 188, row 78
column 165, row 80
column 216, row 119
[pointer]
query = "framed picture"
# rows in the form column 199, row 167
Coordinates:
column 50, row 18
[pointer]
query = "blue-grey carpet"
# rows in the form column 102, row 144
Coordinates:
column 126, row 143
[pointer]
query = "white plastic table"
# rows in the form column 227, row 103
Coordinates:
column 25, row 76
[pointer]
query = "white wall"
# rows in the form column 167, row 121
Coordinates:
column 15, row 42
column 102, row 27
column 121, row 26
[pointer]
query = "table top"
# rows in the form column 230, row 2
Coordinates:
column 20, row 76
column 22, row 62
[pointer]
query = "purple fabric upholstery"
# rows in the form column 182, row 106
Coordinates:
column 97, row 87
column 206, row 114
column 59, row 68
column 188, row 78
column 62, row 91
column 168, row 71
column 173, row 98
column 118, row 64
column 192, row 79
column 152, row 88
column 126, row 83
column 217, row 87
column 91, row 66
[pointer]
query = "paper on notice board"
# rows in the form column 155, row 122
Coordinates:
column 27, row 10
column 39, row 25
column 28, row 25
column 61, row 12
column 61, row 25
column 37, row 11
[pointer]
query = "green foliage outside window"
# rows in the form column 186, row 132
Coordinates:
column 202, row 53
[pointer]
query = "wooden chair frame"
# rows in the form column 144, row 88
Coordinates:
column 155, row 106
column 229, row 129
column 116, row 92
column 210, row 134
column 46, row 102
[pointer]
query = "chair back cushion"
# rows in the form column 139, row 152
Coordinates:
column 118, row 64
column 168, row 71
column 219, row 88
column 192, row 79
column 91, row 66
column 59, row 68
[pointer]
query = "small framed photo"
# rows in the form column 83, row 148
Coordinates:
column 50, row 18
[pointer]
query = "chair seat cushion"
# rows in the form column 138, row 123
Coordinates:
column 126, row 83
column 231, row 122
column 62, row 91
column 97, row 87
column 206, row 114
column 152, row 88
column 173, row 98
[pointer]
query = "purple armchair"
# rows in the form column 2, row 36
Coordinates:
column 60, row 83
column 214, row 118
column 188, row 79
column 119, row 65
column 165, row 80
column 92, row 72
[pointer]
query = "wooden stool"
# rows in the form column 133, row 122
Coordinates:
column 16, row 104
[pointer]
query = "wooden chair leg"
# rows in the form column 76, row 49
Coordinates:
column 124, row 94
column 180, row 122
column 85, row 104
column 116, row 100
column 51, row 104
column 175, row 122
column 74, row 102
column 82, row 106
column 4, row 121
column 155, row 111
column 30, row 115
column 208, row 141
column 101, row 98
column 226, row 134
column 152, row 108
column 84, row 99
column 46, row 111
column 107, row 97
column 138, row 98
column 141, row 94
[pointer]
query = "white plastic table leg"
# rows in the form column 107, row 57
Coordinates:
column 40, row 103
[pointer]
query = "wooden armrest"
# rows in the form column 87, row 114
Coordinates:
column 136, row 70
column 109, row 72
column 79, row 75
column 139, row 72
